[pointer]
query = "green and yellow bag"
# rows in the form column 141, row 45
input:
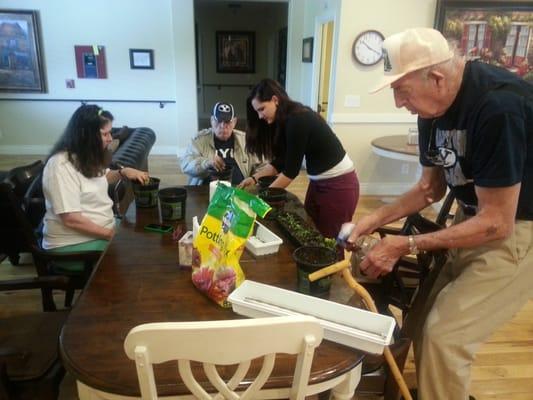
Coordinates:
column 221, row 240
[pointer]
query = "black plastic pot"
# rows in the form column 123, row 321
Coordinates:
column 273, row 196
column 310, row 259
column 173, row 201
column 266, row 181
column 145, row 195
column 224, row 175
column 276, row 198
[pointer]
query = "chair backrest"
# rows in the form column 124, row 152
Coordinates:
column 15, row 226
column 21, row 177
column 227, row 342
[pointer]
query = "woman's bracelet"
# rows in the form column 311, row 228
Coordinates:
column 120, row 168
column 254, row 178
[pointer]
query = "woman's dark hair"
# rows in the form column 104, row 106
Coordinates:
column 262, row 138
column 82, row 140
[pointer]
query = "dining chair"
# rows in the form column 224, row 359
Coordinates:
column 400, row 289
column 15, row 222
column 224, row 343
column 30, row 368
column 20, row 178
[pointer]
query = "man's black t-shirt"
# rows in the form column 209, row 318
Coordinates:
column 224, row 149
column 307, row 134
column 485, row 138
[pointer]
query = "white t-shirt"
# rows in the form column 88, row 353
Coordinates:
column 67, row 190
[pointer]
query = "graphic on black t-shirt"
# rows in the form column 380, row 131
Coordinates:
column 224, row 149
column 451, row 147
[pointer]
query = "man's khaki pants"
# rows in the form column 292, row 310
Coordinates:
column 476, row 291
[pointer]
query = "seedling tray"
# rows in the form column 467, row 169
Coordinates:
column 350, row 326
column 263, row 241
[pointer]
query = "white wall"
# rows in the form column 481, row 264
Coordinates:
column 167, row 26
column 32, row 127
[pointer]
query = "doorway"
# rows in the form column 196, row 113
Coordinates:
column 264, row 25
column 326, row 46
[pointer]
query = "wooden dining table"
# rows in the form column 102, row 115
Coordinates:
column 139, row 280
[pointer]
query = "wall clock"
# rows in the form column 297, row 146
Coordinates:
column 367, row 47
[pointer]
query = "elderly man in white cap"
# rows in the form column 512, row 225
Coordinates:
column 219, row 148
column 475, row 123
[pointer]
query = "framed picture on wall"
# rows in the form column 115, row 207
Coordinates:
column 21, row 64
column 90, row 62
column 141, row 59
column 495, row 32
column 307, row 50
column 235, row 52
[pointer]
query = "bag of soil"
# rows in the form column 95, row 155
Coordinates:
column 221, row 240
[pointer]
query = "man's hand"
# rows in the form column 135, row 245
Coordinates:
column 218, row 163
column 245, row 183
column 381, row 258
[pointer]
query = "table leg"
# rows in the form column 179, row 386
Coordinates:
column 346, row 389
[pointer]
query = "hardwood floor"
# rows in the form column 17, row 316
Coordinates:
column 503, row 368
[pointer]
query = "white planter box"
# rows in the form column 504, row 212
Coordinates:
column 342, row 324
column 263, row 241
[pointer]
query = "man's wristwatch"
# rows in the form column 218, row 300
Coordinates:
column 120, row 168
column 413, row 248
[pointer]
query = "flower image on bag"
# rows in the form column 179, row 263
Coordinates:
column 221, row 239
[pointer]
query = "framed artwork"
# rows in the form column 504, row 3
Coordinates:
column 90, row 62
column 495, row 32
column 235, row 52
column 21, row 65
column 141, row 59
column 307, row 50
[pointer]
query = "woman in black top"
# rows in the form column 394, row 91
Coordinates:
column 285, row 131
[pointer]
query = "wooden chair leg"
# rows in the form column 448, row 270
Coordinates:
column 69, row 296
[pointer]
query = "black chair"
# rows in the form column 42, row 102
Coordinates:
column 399, row 289
column 20, row 178
column 409, row 273
column 15, row 220
column 29, row 361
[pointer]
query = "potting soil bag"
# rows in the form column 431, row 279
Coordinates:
column 221, row 239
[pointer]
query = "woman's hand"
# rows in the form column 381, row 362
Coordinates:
column 109, row 234
column 135, row 175
column 245, row 183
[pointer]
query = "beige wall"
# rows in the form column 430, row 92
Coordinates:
column 168, row 28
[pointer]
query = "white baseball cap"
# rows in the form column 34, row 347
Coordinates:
column 412, row 50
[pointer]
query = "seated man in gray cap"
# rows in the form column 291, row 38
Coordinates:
column 218, row 149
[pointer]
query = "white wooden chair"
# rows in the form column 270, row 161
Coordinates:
column 227, row 342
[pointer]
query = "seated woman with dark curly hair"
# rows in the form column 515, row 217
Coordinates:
column 79, row 213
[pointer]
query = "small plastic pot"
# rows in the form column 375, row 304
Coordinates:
column 276, row 198
column 265, row 181
column 173, row 201
column 146, row 195
column 310, row 259
column 224, row 175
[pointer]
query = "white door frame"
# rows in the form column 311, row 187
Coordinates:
column 317, row 55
